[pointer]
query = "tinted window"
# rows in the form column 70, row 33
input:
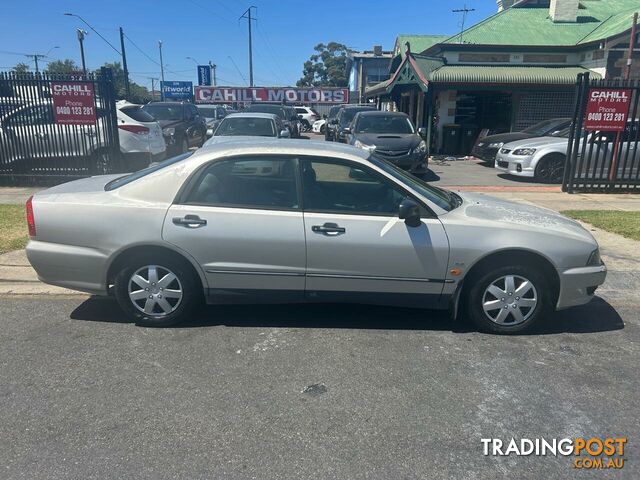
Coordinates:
column 233, row 126
column 337, row 186
column 164, row 112
column 38, row 115
column 207, row 112
column 301, row 111
column 137, row 114
column 250, row 182
column 274, row 109
column 348, row 114
column 384, row 124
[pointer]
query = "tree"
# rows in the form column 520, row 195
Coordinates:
column 138, row 93
column 21, row 68
column 327, row 68
column 61, row 67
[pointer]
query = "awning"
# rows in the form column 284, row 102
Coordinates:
column 508, row 74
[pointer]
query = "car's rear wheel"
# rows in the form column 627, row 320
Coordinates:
column 550, row 169
column 509, row 299
column 157, row 292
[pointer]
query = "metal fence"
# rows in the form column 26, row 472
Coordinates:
column 57, row 127
column 605, row 159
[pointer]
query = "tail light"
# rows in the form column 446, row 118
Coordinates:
column 31, row 220
column 137, row 129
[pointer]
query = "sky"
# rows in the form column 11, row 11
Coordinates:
column 210, row 30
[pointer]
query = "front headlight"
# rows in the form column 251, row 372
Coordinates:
column 524, row 151
column 168, row 131
column 496, row 145
column 421, row 148
column 364, row 146
column 594, row 259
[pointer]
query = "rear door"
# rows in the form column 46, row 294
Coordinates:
column 242, row 222
column 357, row 245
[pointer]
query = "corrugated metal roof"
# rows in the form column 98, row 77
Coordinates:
column 530, row 24
column 419, row 43
column 479, row 74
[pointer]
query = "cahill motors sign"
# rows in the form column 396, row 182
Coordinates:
column 73, row 103
column 607, row 109
column 271, row 95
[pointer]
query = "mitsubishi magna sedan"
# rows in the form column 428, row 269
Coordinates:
column 279, row 221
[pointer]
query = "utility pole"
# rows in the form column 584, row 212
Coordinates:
column 35, row 57
column 464, row 10
column 127, row 90
column 632, row 46
column 81, row 34
column 212, row 67
column 247, row 15
column 153, row 86
column 161, row 71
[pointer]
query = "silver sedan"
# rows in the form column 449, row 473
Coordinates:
column 294, row 221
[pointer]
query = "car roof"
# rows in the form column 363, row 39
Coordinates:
column 271, row 116
column 375, row 113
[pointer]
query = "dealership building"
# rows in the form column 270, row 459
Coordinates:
column 511, row 70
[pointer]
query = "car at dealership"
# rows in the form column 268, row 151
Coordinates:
column 319, row 126
column 249, row 124
column 307, row 116
column 140, row 135
column 344, row 118
column 182, row 125
column 267, row 220
column 212, row 115
column 486, row 148
column 392, row 136
column 286, row 113
column 331, row 125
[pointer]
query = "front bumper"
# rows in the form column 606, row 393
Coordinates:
column 485, row 153
column 514, row 164
column 577, row 285
column 415, row 163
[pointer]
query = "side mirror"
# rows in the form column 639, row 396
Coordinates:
column 422, row 131
column 409, row 211
column 285, row 134
column 346, row 130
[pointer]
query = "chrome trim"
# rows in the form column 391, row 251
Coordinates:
column 246, row 272
column 370, row 277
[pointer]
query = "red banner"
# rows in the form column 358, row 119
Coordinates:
column 607, row 109
column 271, row 95
column 73, row 103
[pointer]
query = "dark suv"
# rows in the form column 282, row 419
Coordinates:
column 182, row 125
column 329, row 128
column 344, row 118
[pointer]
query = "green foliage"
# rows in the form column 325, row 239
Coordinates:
column 61, row 67
column 138, row 93
column 327, row 67
column 21, row 68
column 626, row 224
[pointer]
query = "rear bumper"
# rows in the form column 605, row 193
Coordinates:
column 68, row 266
column 577, row 285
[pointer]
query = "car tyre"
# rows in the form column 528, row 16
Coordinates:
column 550, row 169
column 161, row 299
column 491, row 294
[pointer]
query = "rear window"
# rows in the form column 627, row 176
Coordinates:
column 119, row 182
column 136, row 113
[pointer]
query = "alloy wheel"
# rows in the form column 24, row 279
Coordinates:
column 155, row 290
column 509, row 300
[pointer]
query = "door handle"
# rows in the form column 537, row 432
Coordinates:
column 328, row 229
column 189, row 221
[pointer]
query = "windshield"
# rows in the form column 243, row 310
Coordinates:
column 251, row 126
column 349, row 113
column 164, row 112
column 562, row 133
column 207, row 112
column 267, row 109
column 541, row 128
column 384, row 124
column 444, row 199
column 333, row 112
column 119, row 182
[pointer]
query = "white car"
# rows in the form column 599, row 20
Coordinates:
column 307, row 115
column 141, row 140
column 319, row 126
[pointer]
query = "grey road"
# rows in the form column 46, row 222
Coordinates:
column 317, row 391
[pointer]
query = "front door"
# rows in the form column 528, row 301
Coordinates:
column 242, row 222
column 356, row 244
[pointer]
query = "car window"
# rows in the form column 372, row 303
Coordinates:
column 37, row 115
column 124, row 180
column 398, row 124
column 164, row 112
column 252, row 126
column 248, row 182
column 137, row 113
column 344, row 187
column 301, row 111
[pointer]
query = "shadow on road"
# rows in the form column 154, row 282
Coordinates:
column 598, row 316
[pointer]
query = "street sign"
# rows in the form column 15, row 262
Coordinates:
column 271, row 95
column 607, row 109
column 176, row 90
column 73, row 103
column 204, row 75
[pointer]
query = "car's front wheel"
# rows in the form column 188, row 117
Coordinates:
column 157, row 292
column 550, row 169
column 508, row 299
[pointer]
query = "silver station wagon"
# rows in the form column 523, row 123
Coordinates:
column 281, row 221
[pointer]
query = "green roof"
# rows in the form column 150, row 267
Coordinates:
column 517, row 74
column 525, row 24
column 419, row 43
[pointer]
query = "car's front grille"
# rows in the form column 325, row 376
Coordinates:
column 503, row 164
column 393, row 153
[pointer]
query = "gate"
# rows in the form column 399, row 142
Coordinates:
column 603, row 154
column 55, row 128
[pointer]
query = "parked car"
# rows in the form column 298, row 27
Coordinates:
column 9, row 104
column 307, row 116
column 249, row 125
column 392, row 136
column 140, row 135
column 319, row 126
column 182, row 125
column 331, row 125
column 275, row 221
column 344, row 118
column 286, row 114
column 212, row 115
column 486, row 148
column 34, row 140
column 544, row 158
